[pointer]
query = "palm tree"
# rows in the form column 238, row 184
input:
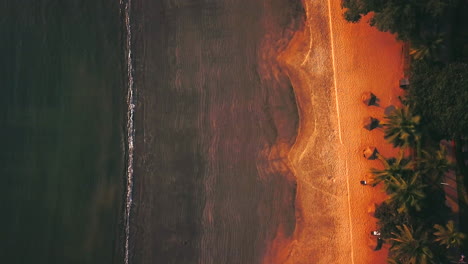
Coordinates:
column 399, row 167
column 401, row 128
column 435, row 164
column 406, row 194
column 410, row 247
column 446, row 235
column 392, row 260
column 428, row 47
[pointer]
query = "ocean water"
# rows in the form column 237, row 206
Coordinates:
column 63, row 111
column 145, row 131
column 212, row 107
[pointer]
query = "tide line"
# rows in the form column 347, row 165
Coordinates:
column 130, row 127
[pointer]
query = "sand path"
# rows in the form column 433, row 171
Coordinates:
column 332, row 64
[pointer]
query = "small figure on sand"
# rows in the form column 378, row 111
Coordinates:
column 462, row 259
column 363, row 182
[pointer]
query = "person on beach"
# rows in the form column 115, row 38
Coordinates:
column 462, row 259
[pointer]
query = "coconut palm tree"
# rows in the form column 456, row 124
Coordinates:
column 399, row 167
column 448, row 236
column 406, row 194
column 401, row 128
column 435, row 164
column 428, row 47
column 410, row 247
column 392, row 260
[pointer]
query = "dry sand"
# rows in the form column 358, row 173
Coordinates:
column 331, row 66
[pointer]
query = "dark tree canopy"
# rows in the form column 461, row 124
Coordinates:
column 439, row 94
column 408, row 19
column 389, row 219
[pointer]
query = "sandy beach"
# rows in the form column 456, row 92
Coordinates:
column 332, row 64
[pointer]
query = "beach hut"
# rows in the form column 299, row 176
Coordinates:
column 389, row 110
column 404, row 83
column 371, row 123
column 371, row 99
column 370, row 153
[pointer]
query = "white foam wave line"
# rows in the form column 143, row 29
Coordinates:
column 130, row 128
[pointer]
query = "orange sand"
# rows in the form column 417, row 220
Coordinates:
column 330, row 73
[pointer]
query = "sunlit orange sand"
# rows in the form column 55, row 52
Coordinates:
column 332, row 64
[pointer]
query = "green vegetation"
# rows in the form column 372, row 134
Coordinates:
column 427, row 47
column 401, row 128
column 414, row 219
column 393, row 168
column 438, row 41
column 410, row 246
column 408, row 19
column 448, row 236
column 389, row 219
column 439, row 93
column 406, row 193
column 434, row 165
column 415, row 196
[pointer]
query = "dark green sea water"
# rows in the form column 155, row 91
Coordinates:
column 63, row 110
column 211, row 106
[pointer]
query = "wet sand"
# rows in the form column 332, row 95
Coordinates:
column 332, row 64
column 210, row 185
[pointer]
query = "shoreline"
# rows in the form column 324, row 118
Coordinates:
column 331, row 66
